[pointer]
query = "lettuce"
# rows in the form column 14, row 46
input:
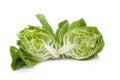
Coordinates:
column 79, row 41
column 36, row 44
column 82, row 43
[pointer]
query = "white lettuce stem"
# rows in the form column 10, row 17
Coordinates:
column 53, row 51
column 57, row 52
column 66, row 48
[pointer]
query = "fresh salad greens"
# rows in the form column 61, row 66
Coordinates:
column 36, row 44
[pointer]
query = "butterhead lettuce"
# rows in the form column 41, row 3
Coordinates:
column 84, row 42
column 80, row 41
column 75, row 40
column 34, row 45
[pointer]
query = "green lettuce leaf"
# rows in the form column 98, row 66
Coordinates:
column 80, row 23
column 44, row 23
column 62, row 29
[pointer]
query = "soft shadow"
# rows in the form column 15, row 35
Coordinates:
column 93, row 58
column 30, row 69
column 96, row 57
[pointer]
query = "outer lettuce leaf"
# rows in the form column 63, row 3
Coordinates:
column 79, row 23
column 62, row 29
column 44, row 23
column 17, row 62
column 19, row 58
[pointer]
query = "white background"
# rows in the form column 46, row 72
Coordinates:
column 105, row 14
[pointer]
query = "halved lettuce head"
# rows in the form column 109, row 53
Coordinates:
column 85, row 42
column 78, row 40
column 34, row 44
